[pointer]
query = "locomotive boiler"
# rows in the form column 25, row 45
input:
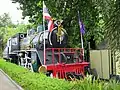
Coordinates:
column 27, row 49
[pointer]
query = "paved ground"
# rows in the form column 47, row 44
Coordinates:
column 6, row 83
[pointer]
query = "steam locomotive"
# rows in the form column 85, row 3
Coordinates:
column 27, row 49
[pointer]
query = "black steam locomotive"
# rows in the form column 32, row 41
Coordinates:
column 27, row 49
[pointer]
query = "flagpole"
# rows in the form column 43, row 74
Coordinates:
column 82, row 45
column 81, row 36
column 82, row 40
column 44, row 34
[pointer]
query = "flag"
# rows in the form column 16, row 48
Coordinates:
column 82, row 30
column 82, row 27
column 47, row 16
column 50, row 25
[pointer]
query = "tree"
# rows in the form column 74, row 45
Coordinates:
column 110, row 10
column 5, row 20
column 8, row 29
column 31, row 9
column 67, row 10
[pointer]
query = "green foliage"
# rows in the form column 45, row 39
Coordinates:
column 101, row 19
column 5, row 20
column 33, row 81
column 37, row 81
column 31, row 9
column 67, row 10
column 110, row 10
column 7, row 32
column 89, row 84
column 8, row 29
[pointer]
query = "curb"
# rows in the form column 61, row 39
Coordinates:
column 19, row 87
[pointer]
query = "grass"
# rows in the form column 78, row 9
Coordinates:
column 89, row 84
column 37, row 81
column 33, row 81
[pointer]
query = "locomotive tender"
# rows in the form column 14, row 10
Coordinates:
column 26, row 49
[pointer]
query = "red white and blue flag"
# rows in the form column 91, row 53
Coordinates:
column 47, row 16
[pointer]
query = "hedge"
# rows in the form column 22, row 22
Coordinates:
column 37, row 81
column 33, row 81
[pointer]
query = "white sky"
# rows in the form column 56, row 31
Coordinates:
column 6, row 6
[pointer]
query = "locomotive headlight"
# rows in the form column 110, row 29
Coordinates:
column 42, row 69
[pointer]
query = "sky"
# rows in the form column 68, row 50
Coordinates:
column 6, row 6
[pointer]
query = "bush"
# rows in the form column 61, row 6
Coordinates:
column 33, row 81
column 38, row 81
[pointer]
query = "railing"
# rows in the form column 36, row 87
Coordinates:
column 58, row 51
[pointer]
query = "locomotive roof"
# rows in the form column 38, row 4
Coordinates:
column 18, row 35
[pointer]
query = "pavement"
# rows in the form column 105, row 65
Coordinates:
column 6, row 83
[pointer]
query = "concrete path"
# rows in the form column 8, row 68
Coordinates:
column 6, row 83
